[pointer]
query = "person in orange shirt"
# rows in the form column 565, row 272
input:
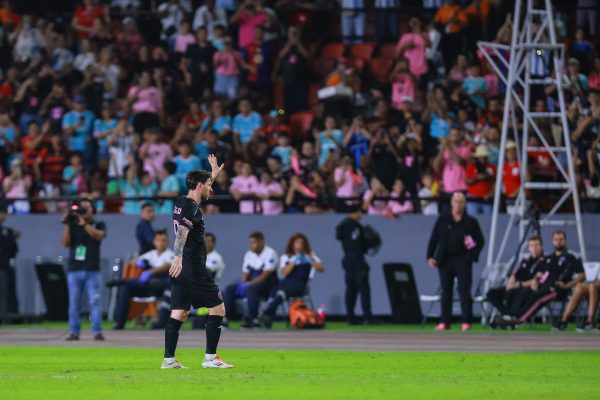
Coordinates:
column 452, row 21
column 480, row 175
column 9, row 19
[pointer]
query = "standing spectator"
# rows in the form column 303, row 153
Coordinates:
column 144, row 232
column 353, row 20
column 53, row 165
column 246, row 123
column 382, row 159
column 130, row 187
column 29, row 42
column 410, row 157
column 412, row 46
column 172, row 13
column 120, row 147
column 328, row 141
column 227, row 63
column 129, row 41
column 245, row 185
column 250, row 14
column 55, row 106
column 74, row 182
column 33, row 148
column 575, row 82
column 9, row 133
column 357, row 140
column 85, row 17
column 146, row 102
column 185, row 161
column 453, row 21
column 587, row 14
column 386, row 19
column 480, row 176
column 154, row 153
column 83, row 238
column 283, row 150
column 404, row 86
column 582, row 50
column 208, row 16
column 455, row 244
column 258, row 55
column 214, row 146
column 475, row 86
column 293, row 67
column 200, row 55
column 270, row 193
column 109, row 72
column 29, row 96
column 347, row 182
column 594, row 76
column 184, row 38
column 103, row 128
column 16, row 186
column 451, row 162
column 77, row 125
column 169, row 187
column 511, row 175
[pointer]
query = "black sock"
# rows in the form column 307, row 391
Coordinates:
column 171, row 336
column 213, row 333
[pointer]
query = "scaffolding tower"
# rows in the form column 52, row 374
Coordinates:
column 533, row 39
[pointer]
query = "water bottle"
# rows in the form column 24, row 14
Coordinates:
column 321, row 312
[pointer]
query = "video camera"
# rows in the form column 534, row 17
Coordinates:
column 75, row 211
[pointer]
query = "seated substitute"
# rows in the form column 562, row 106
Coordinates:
column 562, row 271
column 589, row 290
column 295, row 266
column 258, row 279
column 151, row 282
column 510, row 299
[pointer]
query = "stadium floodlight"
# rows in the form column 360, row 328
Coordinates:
column 534, row 58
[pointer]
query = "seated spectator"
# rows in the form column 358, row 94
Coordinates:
column 270, row 192
column 480, row 176
column 152, row 282
column 154, row 153
column 329, row 140
column 348, row 182
column 130, row 187
column 185, row 161
column 74, row 182
column 475, row 86
column 146, row 102
column 258, row 279
column 295, row 267
column 144, row 232
column 246, row 123
column 400, row 202
column 169, row 187
column 458, row 72
column 245, row 185
column 594, row 76
column 428, row 190
column 574, row 81
column 492, row 141
column 9, row 133
column 218, row 40
column 148, row 186
column 582, row 50
column 16, row 186
column 523, row 278
column 283, row 150
column 375, row 199
column 218, row 121
column 184, row 38
column 357, row 140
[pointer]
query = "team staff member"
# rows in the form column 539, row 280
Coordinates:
column 455, row 244
column 258, row 279
column 562, row 271
column 144, row 232
column 351, row 233
column 83, row 236
column 295, row 266
column 151, row 282
column 214, row 261
column 8, row 251
column 510, row 299
column 191, row 283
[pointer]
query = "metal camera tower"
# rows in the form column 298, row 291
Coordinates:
column 533, row 34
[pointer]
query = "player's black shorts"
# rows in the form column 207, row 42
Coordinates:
column 205, row 294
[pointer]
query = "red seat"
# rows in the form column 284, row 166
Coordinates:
column 323, row 66
column 301, row 122
column 333, row 51
column 358, row 63
column 380, row 68
column 388, row 50
column 312, row 94
column 362, row 50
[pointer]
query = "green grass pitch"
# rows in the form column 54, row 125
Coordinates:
column 118, row 373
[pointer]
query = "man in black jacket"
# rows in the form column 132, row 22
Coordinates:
column 8, row 251
column 455, row 244
column 351, row 233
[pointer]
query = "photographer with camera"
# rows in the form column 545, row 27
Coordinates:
column 83, row 235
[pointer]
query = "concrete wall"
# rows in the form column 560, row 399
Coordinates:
column 404, row 240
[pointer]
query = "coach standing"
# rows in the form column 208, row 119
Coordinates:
column 455, row 244
column 83, row 235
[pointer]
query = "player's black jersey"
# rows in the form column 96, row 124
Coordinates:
column 561, row 267
column 528, row 267
column 187, row 213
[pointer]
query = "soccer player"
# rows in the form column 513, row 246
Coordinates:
column 191, row 282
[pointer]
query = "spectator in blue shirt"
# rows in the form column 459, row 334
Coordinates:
column 169, row 187
column 217, row 120
column 185, row 161
column 283, row 150
column 331, row 139
column 476, row 87
column 103, row 127
column 77, row 126
column 246, row 122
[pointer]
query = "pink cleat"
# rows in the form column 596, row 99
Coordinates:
column 442, row 327
column 465, row 327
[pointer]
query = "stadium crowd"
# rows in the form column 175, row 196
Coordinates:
column 307, row 105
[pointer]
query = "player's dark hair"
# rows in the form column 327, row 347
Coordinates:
column 161, row 232
column 170, row 167
column 85, row 199
column 257, row 235
column 535, row 238
column 147, row 204
column 563, row 233
column 212, row 236
column 196, row 176
column 289, row 247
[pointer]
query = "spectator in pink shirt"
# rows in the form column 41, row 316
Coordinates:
column 146, row 102
column 270, row 192
column 347, row 182
column 244, row 184
column 154, row 153
column 403, row 85
column 371, row 204
column 412, row 46
column 248, row 16
column 227, row 63
column 452, row 160
column 17, row 185
column 184, row 38
column 401, row 202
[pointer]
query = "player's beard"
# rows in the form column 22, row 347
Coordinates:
column 203, row 198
